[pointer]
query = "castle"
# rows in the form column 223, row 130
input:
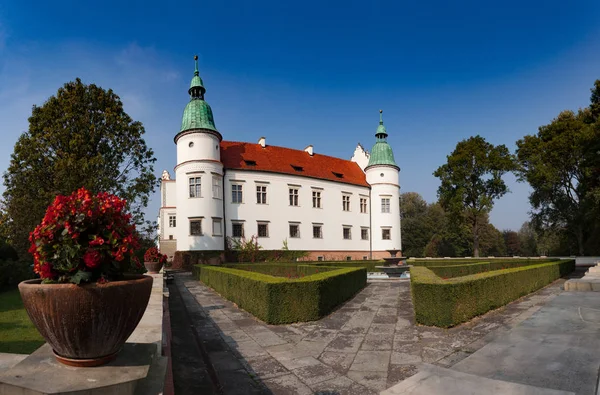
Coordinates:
column 332, row 208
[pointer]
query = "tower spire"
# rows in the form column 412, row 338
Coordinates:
column 381, row 133
column 197, row 89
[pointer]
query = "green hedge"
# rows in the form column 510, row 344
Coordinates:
column 278, row 300
column 281, row 269
column 370, row 265
column 446, row 303
column 451, row 271
column 467, row 261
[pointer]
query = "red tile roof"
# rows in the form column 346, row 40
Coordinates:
column 236, row 155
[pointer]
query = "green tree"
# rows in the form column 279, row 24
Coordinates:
column 471, row 180
column 415, row 230
column 528, row 238
column 492, row 241
column 512, row 243
column 81, row 137
column 561, row 164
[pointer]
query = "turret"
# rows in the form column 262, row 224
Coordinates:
column 383, row 175
column 199, row 174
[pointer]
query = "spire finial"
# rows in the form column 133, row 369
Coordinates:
column 196, row 72
column 381, row 117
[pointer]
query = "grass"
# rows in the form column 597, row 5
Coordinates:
column 17, row 333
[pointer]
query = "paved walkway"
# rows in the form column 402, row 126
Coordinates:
column 364, row 347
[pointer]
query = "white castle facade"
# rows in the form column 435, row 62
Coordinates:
column 332, row 208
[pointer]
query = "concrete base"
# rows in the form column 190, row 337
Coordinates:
column 7, row 360
column 41, row 374
column 590, row 281
column 434, row 380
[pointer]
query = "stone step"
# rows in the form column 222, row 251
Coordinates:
column 583, row 284
column 594, row 269
column 435, row 380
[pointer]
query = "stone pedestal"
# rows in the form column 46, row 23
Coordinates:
column 41, row 374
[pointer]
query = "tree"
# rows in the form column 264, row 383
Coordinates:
column 561, row 164
column 528, row 238
column 415, row 230
column 471, row 180
column 512, row 243
column 81, row 137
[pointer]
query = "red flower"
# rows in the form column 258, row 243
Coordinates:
column 92, row 258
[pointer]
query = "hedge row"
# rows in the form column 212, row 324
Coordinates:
column 281, row 269
column 277, row 300
column 466, row 261
column 451, row 271
column 370, row 265
column 446, row 303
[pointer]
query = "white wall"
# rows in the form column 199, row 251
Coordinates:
column 384, row 184
column 279, row 213
column 202, row 160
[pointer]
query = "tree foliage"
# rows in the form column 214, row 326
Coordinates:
column 562, row 166
column 81, row 137
column 471, row 180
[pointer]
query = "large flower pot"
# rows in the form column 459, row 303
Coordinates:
column 153, row 267
column 86, row 325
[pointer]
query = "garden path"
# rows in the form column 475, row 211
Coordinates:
column 367, row 345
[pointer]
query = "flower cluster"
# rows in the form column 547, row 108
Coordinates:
column 84, row 238
column 152, row 255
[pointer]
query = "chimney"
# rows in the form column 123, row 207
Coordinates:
column 262, row 141
column 309, row 149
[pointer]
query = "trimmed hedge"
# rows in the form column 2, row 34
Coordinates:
column 467, row 261
column 446, row 303
column 281, row 269
column 367, row 264
column 277, row 300
column 188, row 259
column 451, row 271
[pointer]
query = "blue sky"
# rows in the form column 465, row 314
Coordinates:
column 315, row 72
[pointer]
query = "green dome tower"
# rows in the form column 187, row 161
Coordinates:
column 381, row 154
column 197, row 114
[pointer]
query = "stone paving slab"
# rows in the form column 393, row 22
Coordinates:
column 434, row 380
column 367, row 345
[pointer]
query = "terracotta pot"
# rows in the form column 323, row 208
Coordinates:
column 86, row 325
column 153, row 267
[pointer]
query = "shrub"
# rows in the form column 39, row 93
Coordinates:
column 446, row 303
column 451, row 271
column 288, row 270
column 188, row 259
column 467, row 261
column 13, row 272
column 278, row 300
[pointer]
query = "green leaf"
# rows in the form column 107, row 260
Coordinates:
column 81, row 276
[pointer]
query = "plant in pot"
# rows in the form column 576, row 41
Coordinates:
column 85, row 304
column 154, row 260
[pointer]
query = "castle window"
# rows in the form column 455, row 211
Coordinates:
column 317, row 231
column 236, row 193
column 320, row 258
column 316, row 197
column 172, row 221
column 348, row 258
column 346, row 202
column 298, row 168
column 263, row 229
column 385, row 205
column 217, row 187
column 217, row 227
column 237, row 229
column 386, row 234
column 363, row 205
column 364, row 233
column 261, row 194
column 347, row 232
column 293, row 196
column 196, row 227
column 295, row 230
column 195, row 187
column 338, row 175
column 250, row 162
column 170, row 237
column 191, row 144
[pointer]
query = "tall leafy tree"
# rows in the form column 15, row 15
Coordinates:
column 512, row 243
column 471, row 180
column 561, row 164
column 416, row 231
column 81, row 137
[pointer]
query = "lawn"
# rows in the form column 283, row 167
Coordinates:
column 17, row 333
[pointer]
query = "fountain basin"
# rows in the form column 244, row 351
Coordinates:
column 394, row 271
